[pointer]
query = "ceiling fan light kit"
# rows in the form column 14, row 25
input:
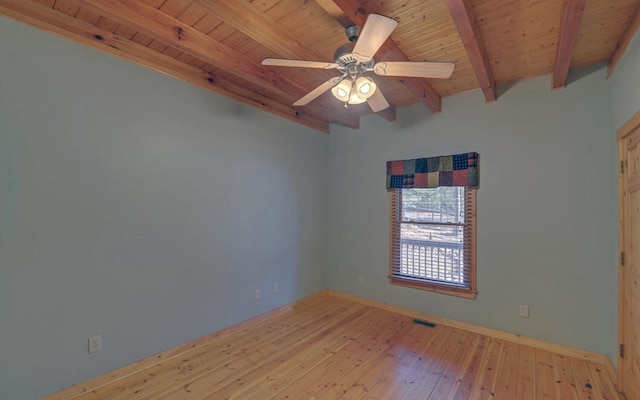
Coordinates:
column 342, row 90
column 351, row 92
column 353, row 60
column 355, row 99
column 365, row 87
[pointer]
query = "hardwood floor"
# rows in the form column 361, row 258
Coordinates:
column 332, row 348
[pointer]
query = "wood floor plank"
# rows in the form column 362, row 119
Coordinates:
column 255, row 383
column 420, row 380
column 418, row 342
column 584, row 384
column 335, row 348
column 545, row 384
column 375, row 337
column 507, row 383
column 389, row 360
column 564, row 377
column 471, row 370
column 359, row 362
column 230, row 376
column 603, row 382
column 359, row 356
column 551, row 380
column 526, row 381
column 425, row 360
column 485, row 388
column 447, row 381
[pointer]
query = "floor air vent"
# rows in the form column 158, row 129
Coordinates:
column 425, row 323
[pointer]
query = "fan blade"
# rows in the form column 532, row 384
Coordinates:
column 279, row 62
column 414, row 69
column 376, row 30
column 377, row 102
column 317, row 91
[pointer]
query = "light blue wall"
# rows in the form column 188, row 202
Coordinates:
column 624, row 86
column 544, row 208
column 141, row 208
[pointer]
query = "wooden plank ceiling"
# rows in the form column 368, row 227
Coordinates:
column 219, row 44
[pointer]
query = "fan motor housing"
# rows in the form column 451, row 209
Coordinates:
column 343, row 56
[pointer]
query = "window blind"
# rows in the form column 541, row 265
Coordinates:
column 433, row 239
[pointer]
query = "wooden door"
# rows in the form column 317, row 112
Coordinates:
column 629, row 270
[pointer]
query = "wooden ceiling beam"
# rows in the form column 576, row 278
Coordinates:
column 465, row 21
column 389, row 114
column 47, row 19
column 572, row 11
column 346, row 12
column 625, row 40
column 350, row 12
column 154, row 23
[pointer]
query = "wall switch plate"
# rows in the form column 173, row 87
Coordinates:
column 95, row 343
column 257, row 294
column 276, row 288
column 361, row 279
column 524, row 311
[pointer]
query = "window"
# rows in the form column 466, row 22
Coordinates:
column 433, row 239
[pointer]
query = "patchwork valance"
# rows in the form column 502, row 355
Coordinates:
column 454, row 170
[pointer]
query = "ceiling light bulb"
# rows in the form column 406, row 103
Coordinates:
column 365, row 87
column 342, row 90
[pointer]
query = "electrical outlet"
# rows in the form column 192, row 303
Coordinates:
column 276, row 288
column 257, row 294
column 95, row 343
column 524, row 311
column 361, row 279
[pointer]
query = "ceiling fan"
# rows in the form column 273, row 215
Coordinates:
column 353, row 60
